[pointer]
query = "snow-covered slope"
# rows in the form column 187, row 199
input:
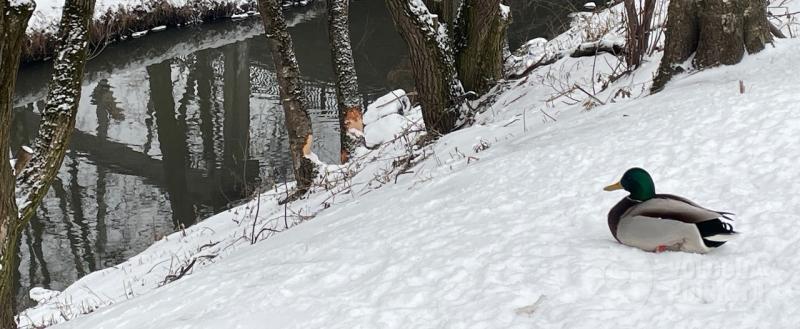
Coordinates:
column 503, row 226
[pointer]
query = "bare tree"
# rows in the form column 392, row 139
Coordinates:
column 638, row 31
column 714, row 31
column 432, row 64
column 295, row 103
column 349, row 100
column 480, row 38
column 21, row 198
column 13, row 21
column 451, row 52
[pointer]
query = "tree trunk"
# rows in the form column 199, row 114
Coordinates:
column 480, row 35
column 638, row 31
column 445, row 9
column 63, row 98
column 717, row 32
column 13, row 21
column 432, row 64
column 295, row 104
column 351, row 123
column 58, row 122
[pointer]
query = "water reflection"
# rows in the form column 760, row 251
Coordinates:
column 179, row 125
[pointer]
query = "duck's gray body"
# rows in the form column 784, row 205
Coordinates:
column 668, row 222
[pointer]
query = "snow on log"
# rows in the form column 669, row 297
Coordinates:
column 395, row 102
column 386, row 117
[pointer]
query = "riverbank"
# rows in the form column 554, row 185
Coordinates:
column 499, row 225
column 116, row 20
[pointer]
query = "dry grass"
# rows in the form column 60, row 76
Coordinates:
column 121, row 23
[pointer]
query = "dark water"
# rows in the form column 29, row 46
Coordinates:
column 181, row 124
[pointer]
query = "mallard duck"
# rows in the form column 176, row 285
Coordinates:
column 661, row 222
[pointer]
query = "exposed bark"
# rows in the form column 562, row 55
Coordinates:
column 351, row 123
column 295, row 104
column 432, row 64
column 13, row 21
column 717, row 32
column 776, row 32
column 23, row 156
column 480, row 37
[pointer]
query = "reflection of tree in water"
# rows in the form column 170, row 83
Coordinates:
column 106, row 107
column 205, row 75
column 172, row 140
column 38, row 273
column 215, row 137
column 103, row 98
column 239, row 170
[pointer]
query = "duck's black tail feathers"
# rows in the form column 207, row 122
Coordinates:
column 716, row 232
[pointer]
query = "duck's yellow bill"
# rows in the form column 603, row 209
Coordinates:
column 613, row 187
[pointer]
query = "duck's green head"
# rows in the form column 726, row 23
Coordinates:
column 636, row 181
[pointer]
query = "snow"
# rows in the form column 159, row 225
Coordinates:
column 42, row 295
column 385, row 118
column 502, row 224
column 20, row 3
column 395, row 102
column 505, row 11
column 47, row 14
column 786, row 16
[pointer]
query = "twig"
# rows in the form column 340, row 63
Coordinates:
column 255, row 220
column 549, row 116
column 589, row 94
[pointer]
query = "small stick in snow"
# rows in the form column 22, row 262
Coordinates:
column 528, row 310
column 776, row 31
column 548, row 115
column 741, row 87
column 589, row 94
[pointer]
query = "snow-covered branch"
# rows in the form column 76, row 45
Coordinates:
column 58, row 117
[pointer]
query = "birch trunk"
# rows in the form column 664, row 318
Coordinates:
column 295, row 104
column 351, row 123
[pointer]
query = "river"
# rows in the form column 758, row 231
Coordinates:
column 182, row 124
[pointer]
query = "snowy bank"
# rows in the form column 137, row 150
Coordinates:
column 509, row 235
column 121, row 19
column 499, row 225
